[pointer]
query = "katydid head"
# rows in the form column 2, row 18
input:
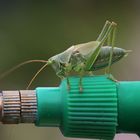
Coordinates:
column 60, row 61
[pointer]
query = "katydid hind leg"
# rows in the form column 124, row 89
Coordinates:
column 109, row 43
column 103, row 31
column 109, row 39
column 112, row 41
column 93, row 57
column 111, row 77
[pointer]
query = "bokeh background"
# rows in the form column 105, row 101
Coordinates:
column 39, row 30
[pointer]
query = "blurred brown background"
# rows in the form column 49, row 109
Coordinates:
column 38, row 30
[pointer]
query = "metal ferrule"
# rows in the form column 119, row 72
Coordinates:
column 18, row 106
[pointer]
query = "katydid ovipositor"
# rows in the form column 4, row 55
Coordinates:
column 84, row 57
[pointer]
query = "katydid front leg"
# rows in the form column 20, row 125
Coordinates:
column 68, row 81
column 68, row 68
column 63, row 76
column 81, row 76
column 111, row 42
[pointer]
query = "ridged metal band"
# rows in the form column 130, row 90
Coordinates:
column 1, row 106
column 18, row 106
column 11, row 107
column 28, row 106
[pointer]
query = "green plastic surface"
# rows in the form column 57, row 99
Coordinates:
column 129, row 107
column 49, row 106
column 90, row 114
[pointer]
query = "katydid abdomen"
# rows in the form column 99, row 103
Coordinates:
column 104, row 55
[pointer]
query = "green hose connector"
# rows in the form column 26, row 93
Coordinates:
column 101, row 110
column 91, row 113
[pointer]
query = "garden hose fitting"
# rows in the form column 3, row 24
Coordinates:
column 101, row 110
column 18, row 106
column 91, row 113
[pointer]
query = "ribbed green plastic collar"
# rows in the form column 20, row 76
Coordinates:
column 92, row 113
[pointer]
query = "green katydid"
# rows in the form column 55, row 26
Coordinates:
column 84, row 57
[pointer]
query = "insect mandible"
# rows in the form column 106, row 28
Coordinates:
column 83, row 58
